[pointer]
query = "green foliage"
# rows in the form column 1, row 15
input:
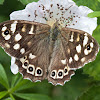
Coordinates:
column 1, row 1
column 24, row 2
column 91, row 94
column 93, row 4
column 85, row 85
column 94, row 14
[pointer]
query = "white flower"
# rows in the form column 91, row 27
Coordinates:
column 14, row 67
column 66, row 12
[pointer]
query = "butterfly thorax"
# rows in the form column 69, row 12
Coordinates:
column 55, row 31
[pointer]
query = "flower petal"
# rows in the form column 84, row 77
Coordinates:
column 14, row 67
column 66, row 12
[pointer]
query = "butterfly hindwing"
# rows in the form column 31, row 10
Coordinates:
column 35, row 67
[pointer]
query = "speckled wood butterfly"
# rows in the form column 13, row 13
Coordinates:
column 45, row 52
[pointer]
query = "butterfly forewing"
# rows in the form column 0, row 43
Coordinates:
column 17, row 36
column 81, row 48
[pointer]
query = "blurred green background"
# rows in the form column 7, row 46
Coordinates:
column 84, row 85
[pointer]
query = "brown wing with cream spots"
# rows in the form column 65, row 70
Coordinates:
column 80, row 49
column 72, row 49
column 28, row 43
column 17, row 37
column 59, row 71
column 34, row 65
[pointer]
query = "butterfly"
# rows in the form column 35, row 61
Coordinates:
column 47, row 52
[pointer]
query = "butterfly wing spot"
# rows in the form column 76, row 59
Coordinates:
column 16, row 46
column 88, row 48
column 23, row 59
column 70, row 59
column 86, row 52
column 24, row 28
column 63, row 61
column 78, row 48
column 29, row 44
column 83, row 59
column 68, row 50
column 31, row 56
column 91, row 44
column 4, row 28
column 38, row 71
column 53, row 74
column 72, row 37
column 31, row 69
column 85, row 41
column 31, row 31
column 78, row 38
column 13, row 26
column 76, row 58
column 7, row 45
column 6, row 35
column 22, row 51
column 60, row 74
column 25, row 64
column 18, row 37
column 66, row 70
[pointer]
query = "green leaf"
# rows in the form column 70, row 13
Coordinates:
column 3, row 18
column 92, row 4
column 1, row 1
column 94, row 14
column 99, row 0
column 7, row 98
column 96, row 34
column 2, row 94
column 92, row 94
column 24, row 2
column 12, row 97
column 3, row 77
column 15, row 79
column 31, row 96
column 26, row 86
column 20, row 85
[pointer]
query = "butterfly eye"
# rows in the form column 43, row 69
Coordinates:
column 25, row 64
column 65, row 70
column 31, row 69
column 38, row 71
column 60, row 74
column 88, row 47
column 53, row 74
column 6, row 32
